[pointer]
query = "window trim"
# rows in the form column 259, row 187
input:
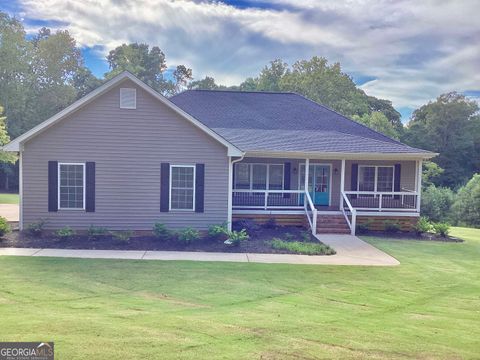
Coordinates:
column 170, row 187
column 375, row 183
column 134, row 98
column 250, row 165
column 84, row 185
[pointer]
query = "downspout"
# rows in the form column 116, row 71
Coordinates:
column 230, row 189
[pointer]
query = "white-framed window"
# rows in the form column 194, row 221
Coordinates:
column 71, row 186
column 375, row 178
column 128, row 98
column 254, row 176
column 182, row 187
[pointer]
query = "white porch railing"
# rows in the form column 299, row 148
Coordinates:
column 311, row 213
column 267, row 199
column 352, row 223
column 383, row 200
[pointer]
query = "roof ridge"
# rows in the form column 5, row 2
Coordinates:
column 238, row 91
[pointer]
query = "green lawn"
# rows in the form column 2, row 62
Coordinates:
column 428, row 307
column 7, row 198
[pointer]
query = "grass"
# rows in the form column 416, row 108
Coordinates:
column 428, row 307
column 7, row 198
column 298, row 247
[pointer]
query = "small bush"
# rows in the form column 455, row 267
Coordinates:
column 122, row 236
column 4, row 226
column 364, row 227
column 94, row 232
column 391, row 226
column 441, row 229
column 161, row 232
column 302, row 248
column 65, row 233
column 289, row 237
column 466, row 208
column 306, row 236
column 188, row 235
column 271, row 223
column 236, row 237
column 36, row 228
column 249, row 225
column 423, row 225
column 218, row 231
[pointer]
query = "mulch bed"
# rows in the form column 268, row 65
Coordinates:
column 410, row 236
column 258, row 242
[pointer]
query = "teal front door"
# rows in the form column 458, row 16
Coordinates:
column 318, row 183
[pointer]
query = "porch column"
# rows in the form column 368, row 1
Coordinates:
column 230, row 193
column 307, row 166
column 342, row 183
column 419, row 184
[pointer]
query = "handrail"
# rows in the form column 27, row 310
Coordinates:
column 268, row 191
column 313, row 221
column 380, row 192
column 352, row 224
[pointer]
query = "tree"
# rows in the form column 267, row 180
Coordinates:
column 430, row 173
column 84, row 82
column 5, row 157
column 149, row 65
column 386, row 107
column 436, row 203
column 208, row 83
column 466, row 208
column 450, row 126
column 378, row 122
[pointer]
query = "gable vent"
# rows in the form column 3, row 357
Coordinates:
column 128, row 98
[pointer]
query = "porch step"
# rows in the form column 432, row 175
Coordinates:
column 332, row 224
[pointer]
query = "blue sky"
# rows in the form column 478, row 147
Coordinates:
column 406, row 51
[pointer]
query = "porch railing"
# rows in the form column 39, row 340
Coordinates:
column 383, row 201
column 267, row 199
column 352, row 221
column 311, row 213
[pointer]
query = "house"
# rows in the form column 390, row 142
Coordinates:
column 124, row 157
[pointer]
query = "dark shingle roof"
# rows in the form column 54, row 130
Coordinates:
column 266, row 121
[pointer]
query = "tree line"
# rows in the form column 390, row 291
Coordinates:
column 42, row 74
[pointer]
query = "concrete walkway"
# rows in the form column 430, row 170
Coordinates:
column 350, row 251
column 10, row 212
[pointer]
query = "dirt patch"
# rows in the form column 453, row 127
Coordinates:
column 259, row 242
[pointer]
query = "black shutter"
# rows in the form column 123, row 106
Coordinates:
column 199, row 187
column 164, row 187
column 286, row 178
column 354, row 179
column 53, row 186
column 396, row 181
column 90, row 187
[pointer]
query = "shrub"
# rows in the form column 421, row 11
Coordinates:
column 423, row 225
column 441, row 229
column 271, row 223
column 391, row 226
column 161, row 232
column 364, row 227
column 249, row 225
column 436, row 203
column 188, row 235
column 4, row 226
column 96, row 231
column 218, row 231
column 306, row 236
column 289, row 237
column 236, row 237
column 123, row 236
column 36, row 228
column 65, row 233
column 466, row 208
column 302, row 248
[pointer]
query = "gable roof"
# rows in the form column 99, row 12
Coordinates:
column 15, row 145
column 285, row 123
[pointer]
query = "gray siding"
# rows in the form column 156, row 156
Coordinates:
column 127, row 147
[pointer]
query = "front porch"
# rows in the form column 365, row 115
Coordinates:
column 314, row 187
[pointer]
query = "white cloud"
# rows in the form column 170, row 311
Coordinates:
column 415, row 50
